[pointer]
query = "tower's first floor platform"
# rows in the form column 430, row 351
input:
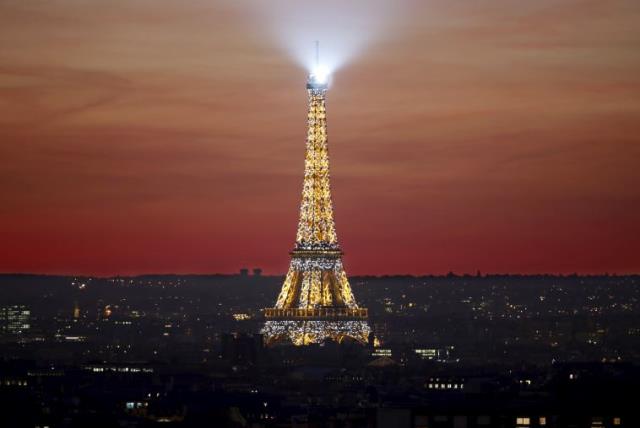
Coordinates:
column 321, row 313
column 306, row 331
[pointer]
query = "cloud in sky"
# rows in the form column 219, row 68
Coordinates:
column 169, row 136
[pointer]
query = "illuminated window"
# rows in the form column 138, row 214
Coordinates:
column 543, row 420
column 523, row 421
column 617, row 421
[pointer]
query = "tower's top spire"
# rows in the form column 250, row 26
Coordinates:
column 319, row 77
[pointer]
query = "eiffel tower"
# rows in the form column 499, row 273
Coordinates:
column 316, row 302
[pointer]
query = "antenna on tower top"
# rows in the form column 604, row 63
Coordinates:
column 319, row 76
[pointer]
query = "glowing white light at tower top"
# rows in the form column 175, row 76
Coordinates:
column 319, row 76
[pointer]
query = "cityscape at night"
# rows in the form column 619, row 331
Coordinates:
column 486, row 349
column 467, row 257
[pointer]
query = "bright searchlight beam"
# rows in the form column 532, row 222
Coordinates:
column 346, row 28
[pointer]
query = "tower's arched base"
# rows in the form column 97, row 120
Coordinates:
column 306, row 332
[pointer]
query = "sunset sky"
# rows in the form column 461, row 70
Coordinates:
column 168, row 136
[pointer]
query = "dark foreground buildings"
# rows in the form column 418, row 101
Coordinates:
column 455, row 351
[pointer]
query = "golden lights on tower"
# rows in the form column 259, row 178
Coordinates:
column 316, row 302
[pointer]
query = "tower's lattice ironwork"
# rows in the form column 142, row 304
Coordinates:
column 316, row 302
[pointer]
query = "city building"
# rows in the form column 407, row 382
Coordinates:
column 15, row 319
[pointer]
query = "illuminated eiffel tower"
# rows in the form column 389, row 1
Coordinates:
column 316, row 302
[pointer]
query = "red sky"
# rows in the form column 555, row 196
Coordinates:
column 162, row 136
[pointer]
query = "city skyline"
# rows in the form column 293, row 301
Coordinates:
column 497, row 137
column 463, row 177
